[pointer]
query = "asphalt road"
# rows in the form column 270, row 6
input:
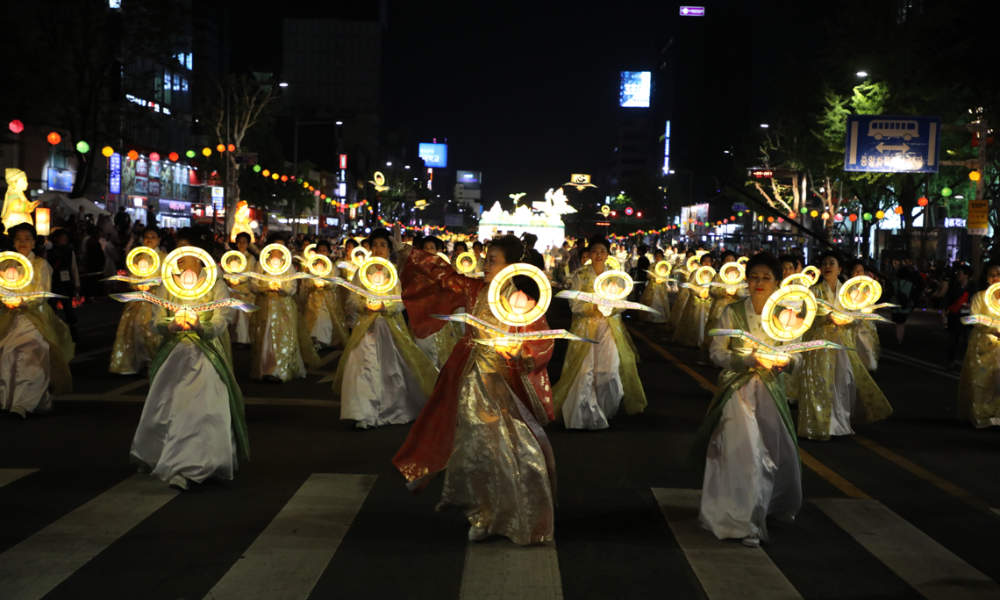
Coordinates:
column 905, row 509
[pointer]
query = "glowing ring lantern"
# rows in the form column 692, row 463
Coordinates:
column 662, row 269
column 858, row 293
column 359, row 255
column 991, row 300
column 703, row 276
column 309, row 250
column 10, row 278
column 265, row 263
column 465, row 262
column 813, row 273
column 742, row 260
column 500, row 305
column 319, row 265
column 227, row 262
column 143, row 262
column 383, row 286
column 796, row 293
column 621, row 292
column 732, row 273
column 196, row 289
column 692, row 263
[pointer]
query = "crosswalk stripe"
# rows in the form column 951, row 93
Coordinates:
column 726, row 569
column 8, row 476
column 502, row 570
column 37, row 565
column 289, row 557
column 926, row 565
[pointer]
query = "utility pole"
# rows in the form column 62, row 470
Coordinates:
column 980, row 128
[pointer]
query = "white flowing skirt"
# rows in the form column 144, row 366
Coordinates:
column 659, row 306
column 379, row 388
column 595, row 394
column 752, row 468
column 24, row 368
column 429, row 347
column 241, row 327
column 865, row 351
column 186, row 427
column 845, row 394
column 269, row 358
column 322, row 330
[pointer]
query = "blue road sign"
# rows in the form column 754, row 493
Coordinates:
column 887, row 144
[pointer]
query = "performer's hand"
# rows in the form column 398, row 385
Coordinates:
column 838, row 321
column 750, row 361
column 510, row 352
column 397, row 238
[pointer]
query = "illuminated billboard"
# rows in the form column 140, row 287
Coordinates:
column 469, row 179
column 435, row 155
column 635, row 87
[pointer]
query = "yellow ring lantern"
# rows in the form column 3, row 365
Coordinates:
column 12, row 280
column 383, row 287
column 662, row 269
column 700, row 253
column 732, row 273
column 359, row 255
column 797, row 279
column 227, row 262
column 703, row 276
column 743, row 260
column 692, row 263
column 600, row 285
column 500, row 306
column 319, row 265
column 309, row 250
column 135, row 266
column 465, row 262
column 611, row 264
column 265, row 259
column 812, row 273
column 774, row 327
column 196, row 289
column 991, row 301
column 858, row 293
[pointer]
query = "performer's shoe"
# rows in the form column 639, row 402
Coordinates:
column 179, row 482
column 477, row 533
column 751, row 542
column 19, row 411
column 361, row 425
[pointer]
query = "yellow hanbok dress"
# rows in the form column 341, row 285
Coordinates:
column 35, row 349
column 835, row 389
column 239, row 331
column 690, row 330
column 720, row 300
column 279, row 343
column 324, row 314
column 136, row 343
column 655, row 296
column 596, row 378
column 979, row 387
column 681, row 300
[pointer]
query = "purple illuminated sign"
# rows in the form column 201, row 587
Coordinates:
column 692, row 11
column 115, row 174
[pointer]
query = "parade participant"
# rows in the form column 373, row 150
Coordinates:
column 484, row 421
column 280, row 345
column 137, row 341
column 192, row 426
column 437, row 346
column 655, row 295
column 746, row 447
column 240, row 329
column 35, row 345
column 835, row 388
column 680, row 302
column 597, row 377
column 383, row 378
column 721, row 298
column 324, row 315
column 979, row 386
column 790, row 264
column 957, row 301
column 690, row 330
column 869, row 347
column 477, row 251
column 456, row 249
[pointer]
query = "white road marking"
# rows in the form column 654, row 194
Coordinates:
column 926, row 565
column 37, row 565
column 498, row 569
column 290, row 555
column 8, row 476
column 726, row 568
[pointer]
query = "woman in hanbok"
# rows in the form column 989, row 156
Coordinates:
column 680, row 302
column 596, row 378
column 35, row 345
column 835, row 388
column 746, row 448
column 655, row 295
column 280, row 346
column 324, row 315
column 192, row 426
column 344, row 294
column 979, row 386
column 383, row 378
column 483, row 423
column 240, row 329
column 869, row 347
column 438, row 345
column 690, row 331
column 137, row 342
column 721, row 298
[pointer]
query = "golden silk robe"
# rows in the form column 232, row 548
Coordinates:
column 817, row 384
column 136, row 342
column 655, row 296
column 720, row 300
column 979, row 386
column 483, row 423
column 690, row 330
column 240, row 289
column 320, row 295
column 280, row 346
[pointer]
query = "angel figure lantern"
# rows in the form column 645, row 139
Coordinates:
column 16, row 207
column 242, row 223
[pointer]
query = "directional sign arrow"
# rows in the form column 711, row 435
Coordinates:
column 883, row 148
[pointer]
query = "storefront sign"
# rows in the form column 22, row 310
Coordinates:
column 979, row 217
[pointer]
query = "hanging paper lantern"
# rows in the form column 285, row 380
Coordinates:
column 853, row 217
column 974, row 175
column 284, row 178
column 173, row 156
column 154, row 156
column 221, row 148
column 946, row 192
column 814, row 213
column 133, row 155
column 206, row 151
column 898, row 210
column 322, row 196
column 82, row 147
column 804, row 210
column 770, row 219
column 107, row 151
column 879, row 214
column 826, row 216
column 266, row 173
column 274, row 176
column 16, row 126
column 256, row 168
column 190, row 154
column 54, row 138
column 922, row 201
column 838, row 217
column 231, row 147
column 867, row 216
column 739, row 214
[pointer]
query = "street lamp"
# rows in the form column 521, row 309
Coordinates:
column 862, row 74
column 283, row 84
